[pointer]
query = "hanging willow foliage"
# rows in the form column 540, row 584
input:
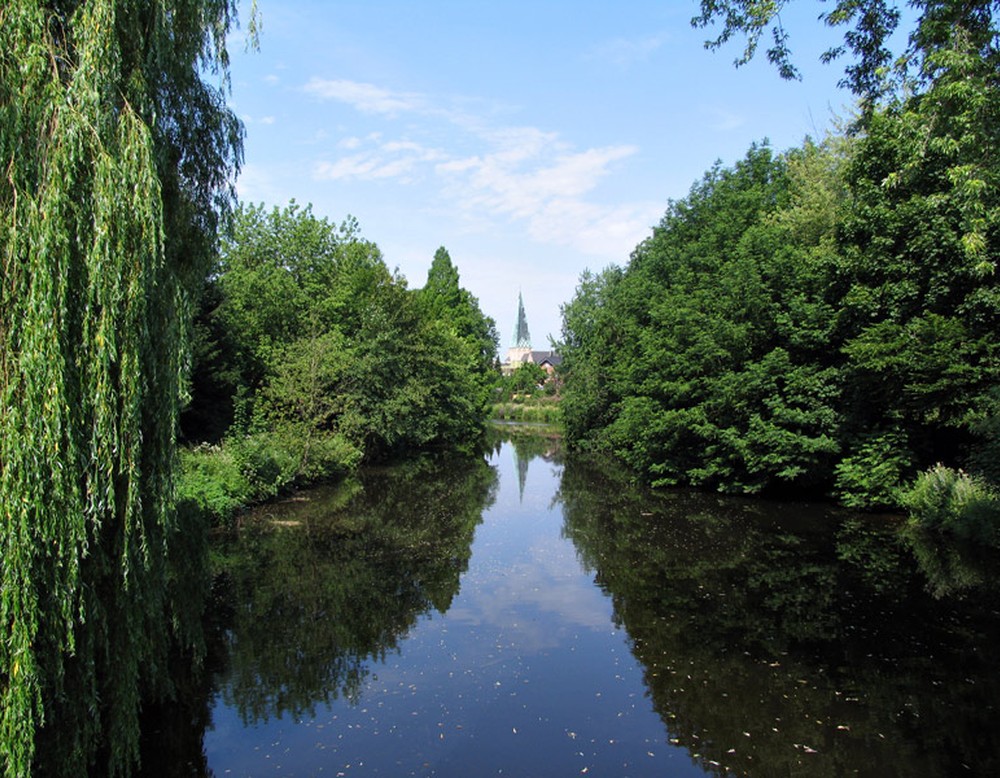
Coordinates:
column 116, row 163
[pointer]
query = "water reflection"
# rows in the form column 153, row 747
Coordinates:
column 311, row 592
column 545, row 617
column 787, row 640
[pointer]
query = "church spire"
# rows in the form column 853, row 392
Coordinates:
column 522, row 339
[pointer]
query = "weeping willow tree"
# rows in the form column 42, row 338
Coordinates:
column 116, row 163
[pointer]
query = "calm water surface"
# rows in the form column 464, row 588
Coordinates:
column 521, row 616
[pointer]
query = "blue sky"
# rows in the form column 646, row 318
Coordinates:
column 532, row 139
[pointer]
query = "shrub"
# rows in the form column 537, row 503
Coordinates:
column 211, row 484
column 266, row 464
column 217, row 481
column 540, row 412
column 952, row 501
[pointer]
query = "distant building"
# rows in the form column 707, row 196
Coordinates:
column 520, row 349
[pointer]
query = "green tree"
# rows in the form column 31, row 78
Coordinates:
column 282, row 273
column 117, row 162
column 444, row 300
column 826, row 317
column 589, row 345
column 705, row 360
column 333, row 357
column 526, row 379
column 869, row 23
column 921, row 241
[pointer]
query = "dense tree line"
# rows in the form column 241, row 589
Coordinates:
column 824, row 318
column 311, row 355
column 118, row 163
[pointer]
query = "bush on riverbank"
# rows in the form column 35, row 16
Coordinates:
column 954, row 502
column 218, row 481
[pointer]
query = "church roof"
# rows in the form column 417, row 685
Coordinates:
column 538, row 357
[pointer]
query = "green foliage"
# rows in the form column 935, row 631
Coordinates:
column 218, row 482
column 871, row 473
column 821, row 319
column 590, row 338
column 984, row 458
column 117, row 163
column 706, row 360
column 875, row 70
column 951, row 501
column 540, row 411
column 444, row 301
column 328, row 356
column 527, row 379
column 211, row 484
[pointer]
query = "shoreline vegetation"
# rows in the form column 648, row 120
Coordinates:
column 821, row 320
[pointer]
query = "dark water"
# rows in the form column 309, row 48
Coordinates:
column 521, row 616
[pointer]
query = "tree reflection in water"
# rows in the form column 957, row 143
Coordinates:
column 312, row 599
column 791, row 640
column 312, row 590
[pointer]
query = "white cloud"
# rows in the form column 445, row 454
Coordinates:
column 256, row 184
column 624, row 52
column 366, row 98
column 610, row 233
column 250, row 120
column 547, row 187
column 506, row 173
column 393, row 159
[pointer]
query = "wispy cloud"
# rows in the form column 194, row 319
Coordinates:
column 249, row 120
column 256, row 184
column 519, row 180
column 366, row 98
column 543, row 183
column 508, row 173
column 392, row 159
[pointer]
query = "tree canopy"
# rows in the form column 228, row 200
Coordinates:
column 822, row 318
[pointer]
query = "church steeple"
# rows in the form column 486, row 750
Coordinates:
column 522, row 339
column 520, row 345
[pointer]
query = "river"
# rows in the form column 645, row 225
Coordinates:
column 520, row 615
